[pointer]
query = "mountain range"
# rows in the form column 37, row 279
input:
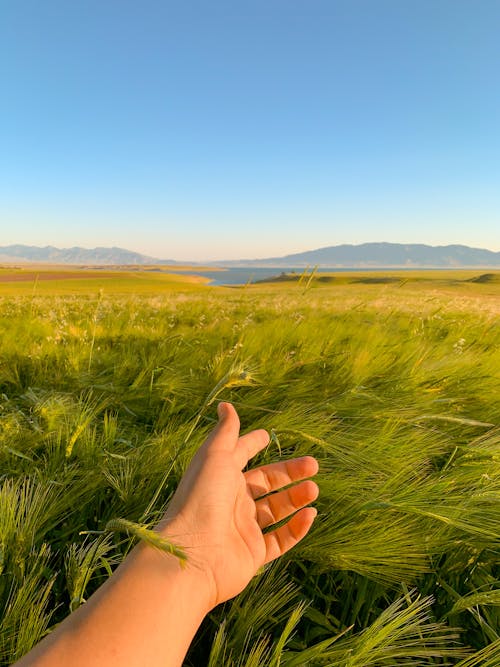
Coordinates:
column 52, row 255
column 383, row 255
column 366, row 255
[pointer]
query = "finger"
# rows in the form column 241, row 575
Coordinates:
column 274, row 476
column 225, row 434
column 278, row 506
column 250, row 444
column 285, row 537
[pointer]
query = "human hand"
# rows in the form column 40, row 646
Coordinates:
column 218, row 512
column 149, row 610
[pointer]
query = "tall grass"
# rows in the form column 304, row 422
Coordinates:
column 397, row 393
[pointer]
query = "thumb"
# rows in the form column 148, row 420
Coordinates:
column 226, row 410
column 225, row 434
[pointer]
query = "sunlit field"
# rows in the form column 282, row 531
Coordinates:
column 109, row 382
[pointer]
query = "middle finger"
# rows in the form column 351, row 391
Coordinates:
column 274, row 476
column 280, row 505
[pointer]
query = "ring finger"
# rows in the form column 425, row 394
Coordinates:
column 280, row 505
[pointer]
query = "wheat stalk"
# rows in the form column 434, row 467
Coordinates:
column 150, row 537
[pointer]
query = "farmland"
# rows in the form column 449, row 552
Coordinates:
column 109, row 382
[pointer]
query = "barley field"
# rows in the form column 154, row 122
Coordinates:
column 109, row 383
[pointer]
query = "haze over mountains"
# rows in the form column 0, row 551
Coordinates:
column 52, row 255
column 366, row 255
column 384, row 255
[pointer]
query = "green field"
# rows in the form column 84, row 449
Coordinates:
column 108, row 384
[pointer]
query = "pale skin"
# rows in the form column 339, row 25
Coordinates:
column 149, row 610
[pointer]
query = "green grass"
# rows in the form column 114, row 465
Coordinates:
column 58, row 281
column 394, row 387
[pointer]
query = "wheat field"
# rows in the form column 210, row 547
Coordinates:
column 108, row 387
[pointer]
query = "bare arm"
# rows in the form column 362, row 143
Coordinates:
column 149, row 610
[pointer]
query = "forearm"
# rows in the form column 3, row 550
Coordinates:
column 147, row 613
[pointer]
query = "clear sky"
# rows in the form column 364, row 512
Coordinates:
column 225, row 129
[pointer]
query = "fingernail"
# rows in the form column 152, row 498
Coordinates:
column 222, row 410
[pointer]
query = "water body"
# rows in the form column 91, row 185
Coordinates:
column 243, row 275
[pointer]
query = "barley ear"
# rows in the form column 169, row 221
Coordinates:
column 142, row 532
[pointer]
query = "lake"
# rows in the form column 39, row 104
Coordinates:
column 243, row 275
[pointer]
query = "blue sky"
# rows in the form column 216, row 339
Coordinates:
column 249, row 128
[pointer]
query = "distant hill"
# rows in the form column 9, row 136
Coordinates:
column 366, row 255
column 52, row 255
column 383, row 255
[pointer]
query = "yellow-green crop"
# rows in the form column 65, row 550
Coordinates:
column 393, row 385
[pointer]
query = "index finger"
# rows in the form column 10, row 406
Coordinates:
column 250, row 444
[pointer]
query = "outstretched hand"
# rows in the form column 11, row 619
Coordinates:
column 218, row 512
column 148, row 611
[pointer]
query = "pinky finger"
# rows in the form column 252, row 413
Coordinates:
column 285, row 537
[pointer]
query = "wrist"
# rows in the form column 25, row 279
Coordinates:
column 168, row 575
column 196, row 572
